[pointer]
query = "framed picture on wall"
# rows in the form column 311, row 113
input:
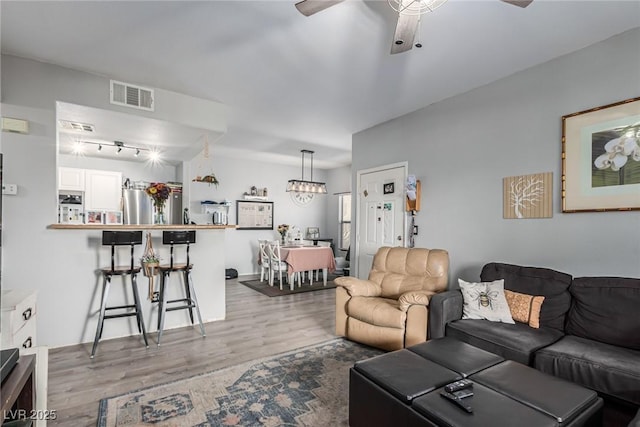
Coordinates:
column 601, row 158
column 253, row 215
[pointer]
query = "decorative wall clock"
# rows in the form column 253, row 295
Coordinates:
column 301, row 199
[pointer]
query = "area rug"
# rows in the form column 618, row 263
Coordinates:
column 274, row 291
column 305, row 387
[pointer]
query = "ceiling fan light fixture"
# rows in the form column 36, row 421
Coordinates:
column 306, row 186
column 415, row 7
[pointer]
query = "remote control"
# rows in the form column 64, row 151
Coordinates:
column 457, row 401
column 461, row 394
column 458, row 385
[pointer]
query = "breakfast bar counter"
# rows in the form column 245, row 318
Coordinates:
column 138, row 227
column 76, row 282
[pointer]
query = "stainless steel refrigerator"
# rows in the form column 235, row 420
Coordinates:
column 138, row 207
column 173, row 207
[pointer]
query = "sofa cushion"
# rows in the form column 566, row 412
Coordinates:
column 608, row 369
column 524, row 308
column 606, row 309
column 514, row 342
column 551, row 284
column 485, row 300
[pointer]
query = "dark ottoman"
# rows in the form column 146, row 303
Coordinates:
column 381, row 388
column 566, row 403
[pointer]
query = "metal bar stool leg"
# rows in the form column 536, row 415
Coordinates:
column 160, row 302
column 187, row 291
column 163, row 304
column 139, row 317
column 106, row 283
column 197, row 306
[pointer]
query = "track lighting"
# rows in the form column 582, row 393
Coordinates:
column 118, row 147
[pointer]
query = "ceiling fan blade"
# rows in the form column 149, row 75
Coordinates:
column 309, row 7
column 521, row 3
column 405, row 33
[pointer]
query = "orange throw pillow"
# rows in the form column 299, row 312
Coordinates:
column 524, row 308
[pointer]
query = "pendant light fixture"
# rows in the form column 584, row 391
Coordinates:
column 304, row 186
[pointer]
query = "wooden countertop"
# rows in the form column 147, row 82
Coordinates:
column 138, row 227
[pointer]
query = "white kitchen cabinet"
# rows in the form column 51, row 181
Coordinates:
column 102, row 190
column 71, row 179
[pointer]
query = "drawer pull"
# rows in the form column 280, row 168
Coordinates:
column 26, row 315
column 27, row 343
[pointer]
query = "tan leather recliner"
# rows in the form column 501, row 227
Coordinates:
column 390, row 309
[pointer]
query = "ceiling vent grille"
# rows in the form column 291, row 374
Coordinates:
column 131, row 95
column 76, row 126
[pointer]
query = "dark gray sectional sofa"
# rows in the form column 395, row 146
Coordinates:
column 589, row 330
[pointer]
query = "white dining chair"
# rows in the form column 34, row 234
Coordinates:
column 263, row 260
column 277, row 265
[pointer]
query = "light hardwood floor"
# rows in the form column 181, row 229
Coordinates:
column 255, row 326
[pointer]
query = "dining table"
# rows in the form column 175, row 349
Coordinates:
column 300, row 258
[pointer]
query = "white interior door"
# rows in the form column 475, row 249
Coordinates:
column 381, row 217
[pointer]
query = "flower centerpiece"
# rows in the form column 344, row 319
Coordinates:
column 159, row 192
column 283, row 229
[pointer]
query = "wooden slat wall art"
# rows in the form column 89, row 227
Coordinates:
column 528, row 196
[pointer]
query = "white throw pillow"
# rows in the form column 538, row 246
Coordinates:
column 485, row 300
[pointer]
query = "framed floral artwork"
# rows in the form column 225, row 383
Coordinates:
column 601, row 158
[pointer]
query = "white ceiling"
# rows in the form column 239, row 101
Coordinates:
column 293, row 82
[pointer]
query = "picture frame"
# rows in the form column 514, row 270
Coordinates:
column 113, row 217
column 254, row 215
column 94, row 217
column 312, row 233
column 601, row 158
column 388, row 188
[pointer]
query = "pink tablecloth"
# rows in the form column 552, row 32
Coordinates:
column 308, row 258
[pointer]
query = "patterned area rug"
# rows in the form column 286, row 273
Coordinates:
column 274, row 291
column 304, row 387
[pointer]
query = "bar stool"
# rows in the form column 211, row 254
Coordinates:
column 190, row 302
column 113, row 239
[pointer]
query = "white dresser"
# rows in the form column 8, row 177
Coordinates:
column 18, row 325
column 18, row 319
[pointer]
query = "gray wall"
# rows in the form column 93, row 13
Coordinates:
column 461, row 149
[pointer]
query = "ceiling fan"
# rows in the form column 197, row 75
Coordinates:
column 409, row 12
